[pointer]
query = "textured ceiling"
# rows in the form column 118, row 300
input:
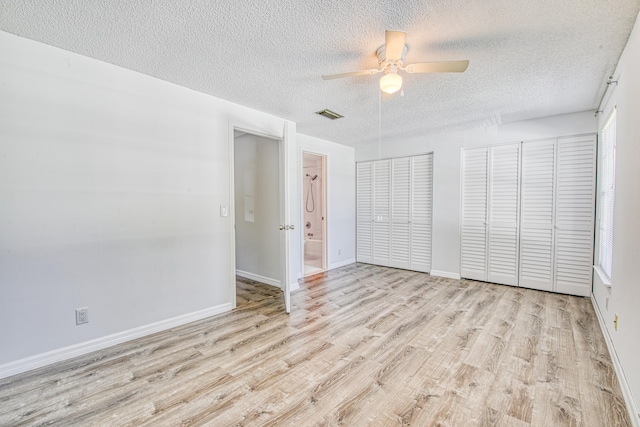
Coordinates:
column 528, row 58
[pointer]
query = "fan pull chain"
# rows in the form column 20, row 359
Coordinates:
column 379, row 120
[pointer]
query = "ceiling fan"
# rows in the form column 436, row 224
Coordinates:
column 391, row 57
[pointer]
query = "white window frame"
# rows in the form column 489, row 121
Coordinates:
column 607, row 186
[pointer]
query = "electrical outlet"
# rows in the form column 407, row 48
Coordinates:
column 615, row 322
column 82, row 316
column 339, row 251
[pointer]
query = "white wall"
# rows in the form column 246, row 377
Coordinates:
column 446, row 170
column 257, row 207
column 110, row 190
column 624, row 294
column 341, row 196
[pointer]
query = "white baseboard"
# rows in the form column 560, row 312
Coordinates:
column 294, row 286
column 259, row 278
column 446, row 274
column 342, row 263
column 48, row 358
column 622, row 379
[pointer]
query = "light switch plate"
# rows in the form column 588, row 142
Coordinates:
column 223, row 210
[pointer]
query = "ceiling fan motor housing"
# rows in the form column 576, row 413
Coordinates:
column 384, row 63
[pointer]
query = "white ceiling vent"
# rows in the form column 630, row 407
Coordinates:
column 329, row 114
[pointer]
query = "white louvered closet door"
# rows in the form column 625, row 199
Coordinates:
column 364, row 215
column 400, row 210
column 537, row 237
column 381, row 211
column 503, row 215
column 474, row 214
column 575, row 198
column 394, row 211
column 421, row 211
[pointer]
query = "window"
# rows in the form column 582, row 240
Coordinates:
column 607, row 193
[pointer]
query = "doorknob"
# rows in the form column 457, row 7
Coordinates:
column 281, row 227
column 291, row 227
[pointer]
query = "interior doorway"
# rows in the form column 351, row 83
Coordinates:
column 314, row 230
column 259, row 209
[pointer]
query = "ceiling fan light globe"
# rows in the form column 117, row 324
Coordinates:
column 390, row 83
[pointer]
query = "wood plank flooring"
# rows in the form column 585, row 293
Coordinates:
column 364, row 345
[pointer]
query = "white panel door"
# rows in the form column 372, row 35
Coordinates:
column 575, row 198
column 381, row 211
column 400, row 210
column 421, row 210
column 364, row 212
column 537, row 216
column 474, row 214
column 503, row 207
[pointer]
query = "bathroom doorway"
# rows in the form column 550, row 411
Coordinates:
column 314, row 230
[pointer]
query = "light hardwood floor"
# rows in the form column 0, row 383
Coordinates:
column 364, row 345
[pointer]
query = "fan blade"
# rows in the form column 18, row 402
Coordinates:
column 351, row 74
column 438, row 67
column 394, row 44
